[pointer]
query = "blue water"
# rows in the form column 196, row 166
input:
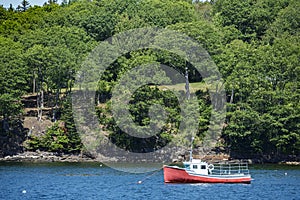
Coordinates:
column 92, row 181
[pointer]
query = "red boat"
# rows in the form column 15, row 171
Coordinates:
column 196, row 171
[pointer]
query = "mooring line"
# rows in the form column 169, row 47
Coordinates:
column 156, row 171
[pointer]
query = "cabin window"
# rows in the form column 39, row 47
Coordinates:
column 195, row 167
column 203, row 167
column 187, row 166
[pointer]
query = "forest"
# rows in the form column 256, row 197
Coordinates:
column 254, row 43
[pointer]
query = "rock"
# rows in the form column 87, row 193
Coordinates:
column 292, row 163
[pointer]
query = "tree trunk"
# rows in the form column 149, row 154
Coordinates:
column 40, row 96
column 231, row 97
column 40, row 112
column 56, row 105
column 33, row 84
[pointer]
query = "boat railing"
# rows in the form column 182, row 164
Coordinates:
column 230, row 169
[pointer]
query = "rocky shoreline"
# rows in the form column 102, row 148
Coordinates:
column 41, row 156
column 290, row 163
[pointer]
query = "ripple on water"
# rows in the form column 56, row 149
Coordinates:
column 88, row 181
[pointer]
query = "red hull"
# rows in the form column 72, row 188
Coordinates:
column 179, row 175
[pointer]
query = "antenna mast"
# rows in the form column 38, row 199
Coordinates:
column 191, row 151
column 187, row 84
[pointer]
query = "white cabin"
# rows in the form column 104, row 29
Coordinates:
column 198, row 167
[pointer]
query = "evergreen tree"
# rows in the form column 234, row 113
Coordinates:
column 23, row 6
column 11, row 8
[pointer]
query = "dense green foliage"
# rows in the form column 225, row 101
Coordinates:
column 255, row 44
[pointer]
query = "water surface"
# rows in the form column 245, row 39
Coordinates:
column 93, row 181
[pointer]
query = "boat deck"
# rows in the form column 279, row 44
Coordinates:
column 230, row 169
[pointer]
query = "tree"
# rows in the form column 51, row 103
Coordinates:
column 286, row 23
column 12, row 81
column 251, row 18
column 204, row 32
column 38, row 60
column 163, row 13
column 11, row 8
column 242, row 134
column 52, row 1
column 74, row 144
column 3, row 13
column 264, row 86
column 60, row 73
column 24, row 6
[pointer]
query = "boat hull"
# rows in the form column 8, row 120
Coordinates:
column 180, row 175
